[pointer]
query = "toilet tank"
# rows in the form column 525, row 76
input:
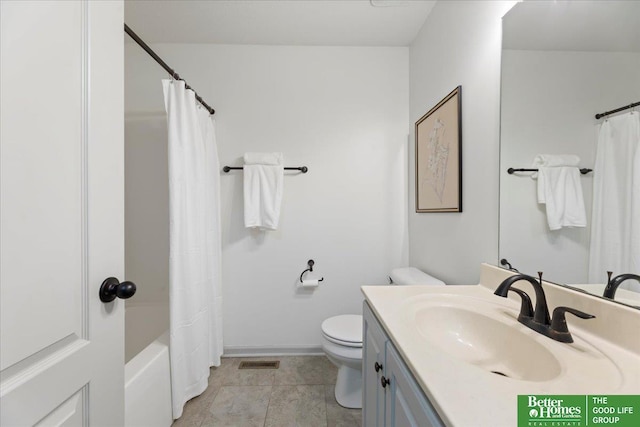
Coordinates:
column 412, row 276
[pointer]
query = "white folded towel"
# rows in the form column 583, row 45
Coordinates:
column 263, row 183
column 560, row 189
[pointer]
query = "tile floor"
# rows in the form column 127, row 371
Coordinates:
column 299, row 393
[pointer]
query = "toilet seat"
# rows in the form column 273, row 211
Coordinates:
column 344, row 330
column 342, row 343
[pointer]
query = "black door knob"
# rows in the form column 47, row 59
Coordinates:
column 377, row 367
column 112, row 288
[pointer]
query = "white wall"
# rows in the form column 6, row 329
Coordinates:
column 549, row 100
column 343, row 112
column 460, row 44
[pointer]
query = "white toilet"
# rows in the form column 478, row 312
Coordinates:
column 342, row 341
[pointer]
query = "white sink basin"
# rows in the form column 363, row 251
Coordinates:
column 484, row 333
column 486, row 342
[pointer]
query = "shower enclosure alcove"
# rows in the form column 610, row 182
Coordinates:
column 147, row 375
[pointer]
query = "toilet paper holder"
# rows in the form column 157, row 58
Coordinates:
column 310, row 263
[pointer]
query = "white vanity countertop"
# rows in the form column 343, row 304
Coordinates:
column 467, row 395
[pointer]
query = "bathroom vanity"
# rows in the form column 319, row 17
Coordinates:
column 391, row 395
column 457, row 355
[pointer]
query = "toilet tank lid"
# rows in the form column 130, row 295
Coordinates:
column 346, row 327
column 413, row 276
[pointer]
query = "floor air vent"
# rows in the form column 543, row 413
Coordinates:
column 259, row 364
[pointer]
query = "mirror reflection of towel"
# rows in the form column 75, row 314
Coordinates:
column 560, row 189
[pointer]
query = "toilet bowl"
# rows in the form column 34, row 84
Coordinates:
column 342, row 341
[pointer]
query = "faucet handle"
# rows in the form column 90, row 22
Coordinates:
column 559, row 330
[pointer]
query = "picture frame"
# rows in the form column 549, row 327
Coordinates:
column 439, row 156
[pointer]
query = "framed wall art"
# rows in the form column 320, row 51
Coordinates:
column 439, row 156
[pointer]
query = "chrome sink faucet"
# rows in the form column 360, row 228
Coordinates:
column 612, row 284
column 538, row 319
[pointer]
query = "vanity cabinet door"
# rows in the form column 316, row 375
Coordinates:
column 406, row 404
column 373, row 362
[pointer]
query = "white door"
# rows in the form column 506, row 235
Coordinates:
column 61, row 212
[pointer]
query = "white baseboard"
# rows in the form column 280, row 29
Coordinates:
column 259, row 351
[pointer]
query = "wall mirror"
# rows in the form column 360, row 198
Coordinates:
column 562, row 62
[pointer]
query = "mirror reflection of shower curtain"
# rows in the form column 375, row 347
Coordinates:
column 195, row 291
column 615, row 222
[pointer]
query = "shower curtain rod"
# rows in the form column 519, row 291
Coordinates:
column 617, row 110
column 164, row 65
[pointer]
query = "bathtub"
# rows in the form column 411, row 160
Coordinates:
column 147, row 380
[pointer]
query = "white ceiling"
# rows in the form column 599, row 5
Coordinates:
column 283, row 22
column 600, row 26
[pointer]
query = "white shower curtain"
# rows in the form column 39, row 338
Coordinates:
column 615, row 223
column 195, row 294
